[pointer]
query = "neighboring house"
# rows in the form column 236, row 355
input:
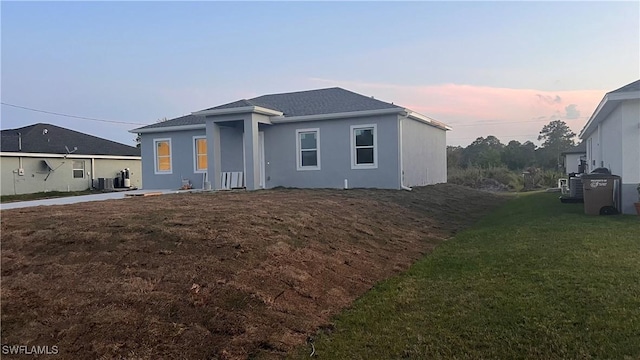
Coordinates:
column 573, row 157
column 612, row 138
column 326, row 138
column 45, row 157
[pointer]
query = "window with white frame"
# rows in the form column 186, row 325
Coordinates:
column 308, row 149
column 364, row 147
column 200, row 154
column 162, row 155
column 78, row 169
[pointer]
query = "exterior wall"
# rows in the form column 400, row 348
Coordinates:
column 592, row 145
column 630, row 154
column 571, row 162
column 610, row 144
column 629, row 196
column 424, row 153
column 37, row 178
column 335, row 155
column 182, row 157
column 615, row 144
column 110, row 168
column 631, row 142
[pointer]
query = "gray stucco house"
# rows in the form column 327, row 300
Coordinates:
column 612, row 138
column 326, row 138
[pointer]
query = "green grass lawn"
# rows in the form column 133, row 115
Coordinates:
column 535, row 279
column 45, row 195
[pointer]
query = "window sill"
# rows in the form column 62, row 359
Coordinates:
column 364, row 167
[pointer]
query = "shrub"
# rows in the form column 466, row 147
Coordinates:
column 547, row 178
column 477, row 177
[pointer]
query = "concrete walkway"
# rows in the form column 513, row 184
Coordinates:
column 79, row 199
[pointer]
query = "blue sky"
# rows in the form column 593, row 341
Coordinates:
column 486, row 68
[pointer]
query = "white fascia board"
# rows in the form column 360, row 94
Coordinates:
column 583, row 134
column 606, row 105
column 238, row 110
column 168, row 128
column 266, row 111
column 286, row 119
column 427, row 120
column 70, row 156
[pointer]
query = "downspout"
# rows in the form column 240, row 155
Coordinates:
column 600, row 148
column 14, row 174
column 401, row 175
column 93, row 170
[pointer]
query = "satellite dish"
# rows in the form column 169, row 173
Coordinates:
column 75, row 148
column 45, row 131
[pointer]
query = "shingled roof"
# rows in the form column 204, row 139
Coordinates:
column 179, row 121
column 52, row 139
column 581, row 148
column 312, row 102
column 608, row 103
column 634, row 86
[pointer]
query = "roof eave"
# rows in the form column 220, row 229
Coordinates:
column 606, row 105
column 167, row 128
column 70, row 156
column 427, row 120
column 238, row 110
column 341, row 115
column 280, row 118
column 573, row 152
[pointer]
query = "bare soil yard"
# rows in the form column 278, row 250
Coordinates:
column 226, row 275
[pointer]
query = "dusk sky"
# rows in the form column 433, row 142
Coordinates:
column 484, row 68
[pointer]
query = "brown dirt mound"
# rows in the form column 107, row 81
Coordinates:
column 217, row 275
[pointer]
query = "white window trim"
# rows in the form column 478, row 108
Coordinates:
column 195, row 155
column 299, row 166
column 155, row 156
column 74, row 169
column 352, row 133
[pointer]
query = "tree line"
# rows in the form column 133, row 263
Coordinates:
column 489, row 152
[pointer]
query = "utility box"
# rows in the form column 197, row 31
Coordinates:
column 105, row 184
column 602, row 194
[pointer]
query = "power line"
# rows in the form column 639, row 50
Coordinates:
column 71, row 116
column 511, row 122
column 503, row 136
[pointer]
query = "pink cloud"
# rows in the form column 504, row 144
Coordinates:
column 475, row 111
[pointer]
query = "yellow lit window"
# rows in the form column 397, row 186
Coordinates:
column 201, row 154
column 163, row 155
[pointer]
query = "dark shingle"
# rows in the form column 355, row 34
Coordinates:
column 578, row 149
column 313, row 102
column 634, row 86
column 301, row 103
column 180, row 121
column 53, row 141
